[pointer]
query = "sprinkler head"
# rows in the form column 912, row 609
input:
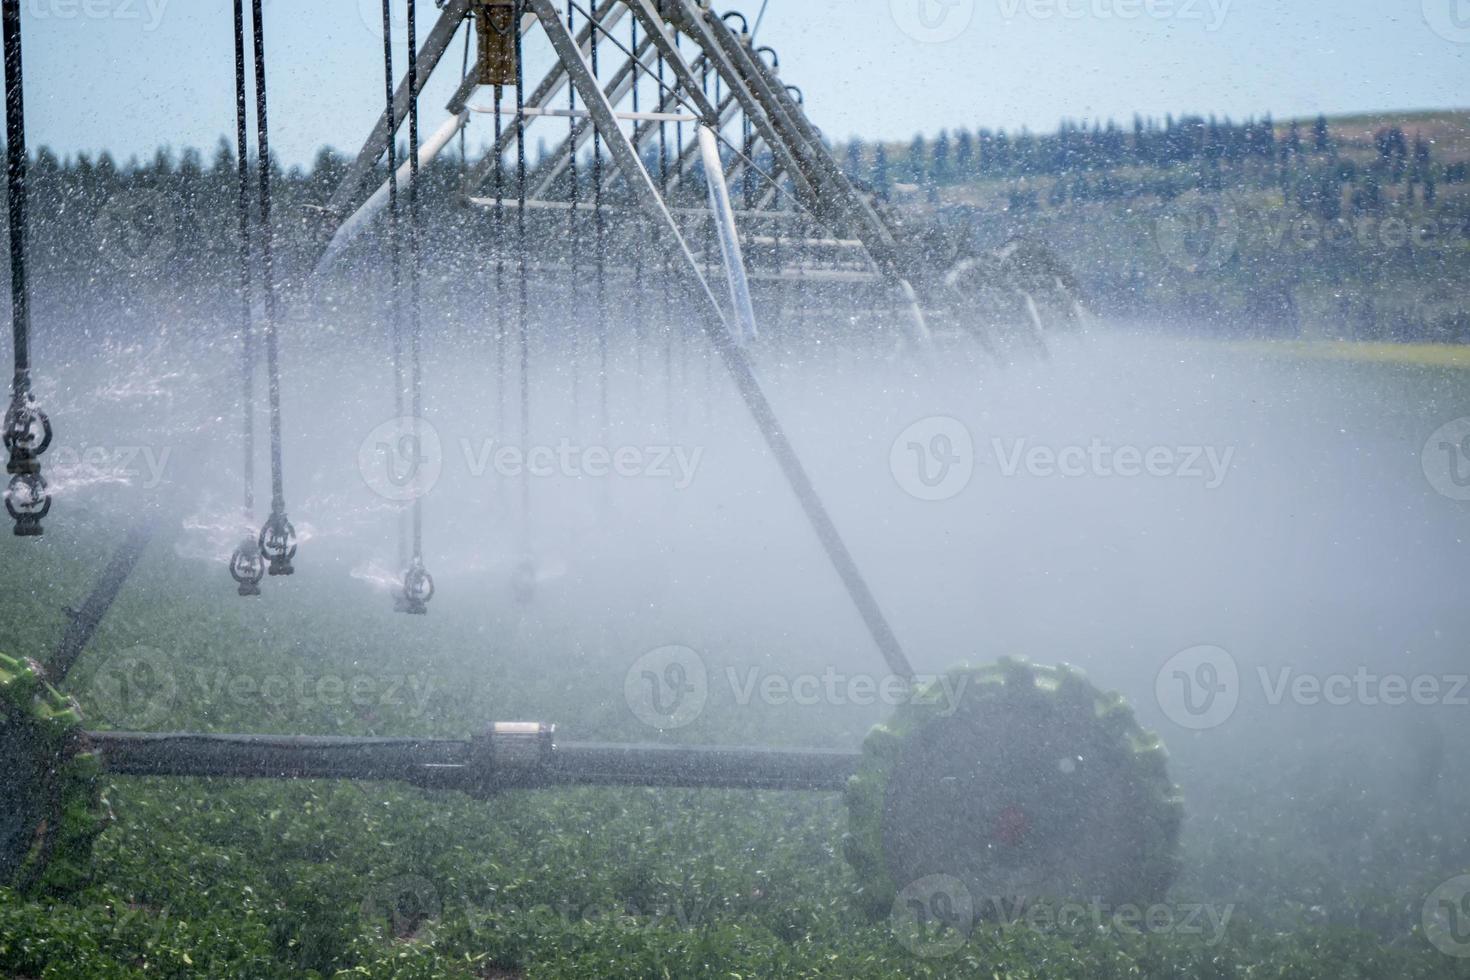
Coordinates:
column 27, row 434
column 28, row 500
column 523, row 581
column 247, row 568
column 278, row 544
column 418, row 589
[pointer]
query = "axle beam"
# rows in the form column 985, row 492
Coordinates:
column 513, row 756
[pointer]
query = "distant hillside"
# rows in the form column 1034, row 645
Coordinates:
column 1356, row 227
column 1447, row 130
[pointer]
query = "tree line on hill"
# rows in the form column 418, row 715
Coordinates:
column 1105, row 162
column 191, row 201
column 172, row 217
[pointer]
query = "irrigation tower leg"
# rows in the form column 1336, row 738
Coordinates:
column 718, row 328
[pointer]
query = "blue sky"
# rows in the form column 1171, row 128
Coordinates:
column 131, row 75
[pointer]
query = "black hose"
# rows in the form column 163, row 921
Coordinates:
column 415, row 318
column 679, row 338
column 278, row 538
column 15, row 146
column 246, row 565
column 395, row 256
column 574, row 250
column 663, row 189
column 600, row 247
column 500, row 333
column 27, row 430
column 524, row 276
column 267, row 236
column 247, row 330
column 637, row 256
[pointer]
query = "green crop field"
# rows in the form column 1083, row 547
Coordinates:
column 500, row 492
column 317, row 879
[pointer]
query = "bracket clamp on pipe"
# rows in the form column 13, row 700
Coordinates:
column 508, row 752
column 495, row 33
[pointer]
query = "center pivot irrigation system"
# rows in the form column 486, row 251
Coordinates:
column 1036, row 784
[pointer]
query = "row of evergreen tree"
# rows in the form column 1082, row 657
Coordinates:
column 92, row 213
column 1076, row 148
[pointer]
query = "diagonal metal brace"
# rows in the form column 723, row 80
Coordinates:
column 749, row 104
column 432, row 50
column 720, row 334
column 609, row 13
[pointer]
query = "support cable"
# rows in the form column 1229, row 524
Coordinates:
column 748, row 174
column 672, row 92
column 464, row 71
column 760, row 18
column 636, row 63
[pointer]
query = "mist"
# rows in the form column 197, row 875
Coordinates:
column 1285, row 517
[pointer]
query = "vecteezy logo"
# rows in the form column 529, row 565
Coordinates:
column 138, row 234
column 667, row 688
column 1446, row 917
column 371, row 14
column 134, row 690
column 401, row 459
column 1446, row 459
column 1198, row 233
column 934, row 458
column 403, row 906
column 1450, row 19
column 933, row 916
column 1199, row 688
column 932, row 21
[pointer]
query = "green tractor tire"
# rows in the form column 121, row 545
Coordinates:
column 51, row 803
column 1017, row 783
